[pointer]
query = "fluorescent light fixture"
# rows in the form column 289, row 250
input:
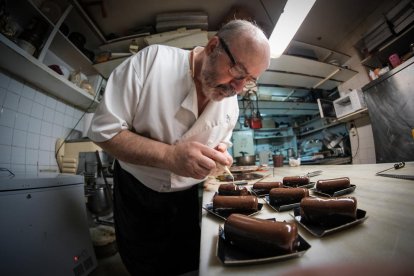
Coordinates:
column 294, row 13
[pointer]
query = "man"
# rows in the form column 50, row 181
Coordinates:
column 167, row 117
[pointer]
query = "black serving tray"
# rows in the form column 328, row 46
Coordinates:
column 225, row 214
column 281, row 208
column 228, row 254
column 319, row 230
column 335, row 193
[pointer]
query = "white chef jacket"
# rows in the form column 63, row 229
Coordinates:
column 153, row 94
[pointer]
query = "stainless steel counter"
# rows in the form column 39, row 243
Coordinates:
column 384, row 238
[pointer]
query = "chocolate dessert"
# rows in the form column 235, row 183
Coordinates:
column 295, row 181
column 263, row 188
column 332, row 211
column 232, row 189
column 260, row 235
column 285, row 196
column 241, row 204
column 333, row 184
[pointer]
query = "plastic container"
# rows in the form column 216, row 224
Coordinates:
column 394, row 60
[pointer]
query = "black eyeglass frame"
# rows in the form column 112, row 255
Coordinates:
column 234, row 63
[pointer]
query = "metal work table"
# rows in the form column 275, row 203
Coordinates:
column 384, row 238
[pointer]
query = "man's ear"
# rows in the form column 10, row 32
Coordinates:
column 211, row 45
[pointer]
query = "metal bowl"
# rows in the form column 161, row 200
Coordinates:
column 246, row 160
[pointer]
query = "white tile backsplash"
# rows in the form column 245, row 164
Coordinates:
column 5, row 156
column 34, row 125
column 40, row 98
column 19, row 138
column 46, row 129
column 4, row 80
column 18, row 169
column 31, row 169
column 6, row 135
column 69, row 110
column 51, row 102
column 3, row 93
column 7, row 117
column 61, row 107
column 28, row 92
column 68, row 122
column 22, row 121
column 25, row 105
column 33, row 141
column 37, row 110
column 12, row 101
column 58, row 118
column 18, row 155
column 32, row 156
column 57, row 131
column 48, row 114
column 30, row 123
column 15, row 86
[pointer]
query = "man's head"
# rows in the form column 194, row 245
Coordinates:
column 235, row 56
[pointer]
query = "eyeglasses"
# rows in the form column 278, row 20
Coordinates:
column 236, row 70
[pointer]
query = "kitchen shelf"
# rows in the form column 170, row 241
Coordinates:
column 56, row 49
column 273, row 137
column 27, row 67
column 353, row 116
column 319, row 129
column 284, row 108
column 304, row 73
column 319, row 53
column 400, row 45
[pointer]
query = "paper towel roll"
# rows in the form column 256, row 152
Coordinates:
column 87, row 119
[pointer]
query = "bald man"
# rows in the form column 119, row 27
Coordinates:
column 167, row 116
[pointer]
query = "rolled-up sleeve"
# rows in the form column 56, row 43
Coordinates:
column 116, row 110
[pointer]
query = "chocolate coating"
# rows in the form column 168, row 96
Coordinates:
column 284, row 196
column 267, row 185
column 321, row 210
column 232, row 189
column 294, row 181
column 333, row 184
column 260, row 235
column 241, row 203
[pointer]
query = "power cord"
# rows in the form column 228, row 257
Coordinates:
column 354, row 132
column 70, row 132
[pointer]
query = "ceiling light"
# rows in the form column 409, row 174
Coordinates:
column 294, row 13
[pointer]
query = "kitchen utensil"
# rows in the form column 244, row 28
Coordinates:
column 314, row 173
column 245, row 160
column 99, row 195
column 396, row 166
column 99, row 199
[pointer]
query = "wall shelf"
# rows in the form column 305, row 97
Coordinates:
column 21, row 64
column 299, row 72
column 284, row 108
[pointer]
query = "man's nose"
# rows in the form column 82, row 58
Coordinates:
column 238, row 85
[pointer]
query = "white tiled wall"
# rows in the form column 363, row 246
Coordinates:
column 30, row 123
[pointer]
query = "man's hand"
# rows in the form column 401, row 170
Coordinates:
column 193, row 159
